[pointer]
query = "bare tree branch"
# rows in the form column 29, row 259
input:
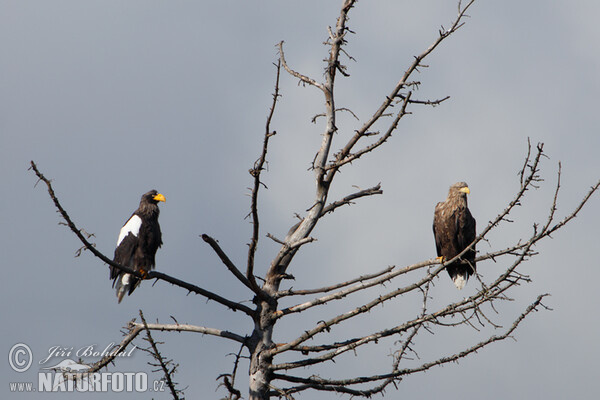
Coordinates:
column 235, row 306
column 425, row 102
column 193, row 328
column 302, row 231
column 298, row 75
column 134, row 328
column 234, row 394
column 569, row 217
column 326, row 289
column 342, row 384
column 227, row 262
column 348, row 199
column 349, row 157
column 256, row 172
column 133, row 331
column 164, row 364
column 389, row 99
column 495, row 290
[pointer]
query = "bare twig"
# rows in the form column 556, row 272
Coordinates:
column 349, row 157
column 235, row 394
column 192, row 328
column 256, row 172
column 164, row 364
column 228, row 263
column 291, row 292
column 298, row 75
column 425, row 102
column 133, row 331
column 348, row 199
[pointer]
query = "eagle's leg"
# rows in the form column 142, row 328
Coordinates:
column 440, row 259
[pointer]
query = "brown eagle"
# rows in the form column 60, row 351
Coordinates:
column 454, row 230
column 138, row 241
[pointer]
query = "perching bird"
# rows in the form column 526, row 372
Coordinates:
column 138, row 241
column 454, row 230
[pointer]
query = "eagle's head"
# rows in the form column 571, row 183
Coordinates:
column 153, row 197
column 460, row 189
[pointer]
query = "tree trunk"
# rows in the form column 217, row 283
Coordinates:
column 260, row 360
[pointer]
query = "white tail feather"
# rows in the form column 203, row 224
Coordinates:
column 123, row 285
column 460, row 281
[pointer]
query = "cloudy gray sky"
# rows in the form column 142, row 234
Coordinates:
column 114, row 98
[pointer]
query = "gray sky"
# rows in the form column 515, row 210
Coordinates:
column 114, row 98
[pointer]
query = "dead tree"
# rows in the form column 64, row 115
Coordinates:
column 280, row 369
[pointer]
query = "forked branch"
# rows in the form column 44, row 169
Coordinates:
column 343, row 385
column 256, row 173
column 344, row 156
column 135, row 328
column 303, row 78
column 165, row 365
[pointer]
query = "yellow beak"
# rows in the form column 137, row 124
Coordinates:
column 463, row 190
column 159, row 197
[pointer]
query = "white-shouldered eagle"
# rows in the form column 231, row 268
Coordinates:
column 138, row 241
column 454, row 230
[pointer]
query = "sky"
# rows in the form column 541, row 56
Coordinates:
column 112, row 99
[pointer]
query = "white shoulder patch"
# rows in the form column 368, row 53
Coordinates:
column 132, row 226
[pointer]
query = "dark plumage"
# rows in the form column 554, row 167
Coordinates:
column 138, row 241
column 454, row 230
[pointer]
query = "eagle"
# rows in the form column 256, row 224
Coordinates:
column 138, row 241
column 454, row 230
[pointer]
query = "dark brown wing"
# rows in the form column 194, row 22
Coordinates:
column 150, row 239
column 127, row 245
column 437, row 229
column 444, row 230
column 124, row 254
column 466, row 233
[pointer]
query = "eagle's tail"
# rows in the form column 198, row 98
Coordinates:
column 460, row 273
column 124, row 284
column 460, row 280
